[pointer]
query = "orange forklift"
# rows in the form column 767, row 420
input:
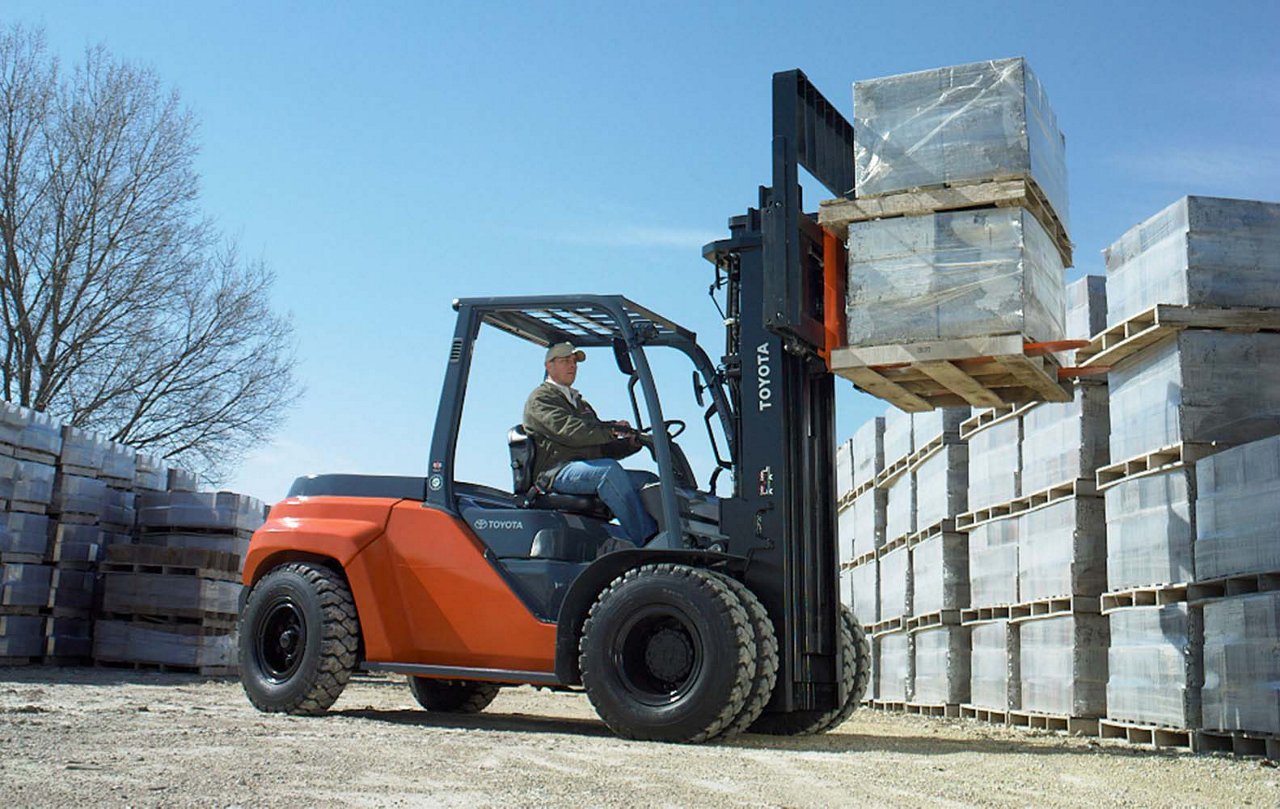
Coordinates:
column 728, row 620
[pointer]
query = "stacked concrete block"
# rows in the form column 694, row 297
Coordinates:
column 863, row 517
column 844, row 469
column 895, row 585
column 941, row 486
column 869, row 452
column 151, row 474
column 864, row 596
column 900, row 507
column 21, row 637
column 1086, row 312
column 894, row 677
column 1155, row 668
column 1063, row 665
column 957, row 125
column 937, row 427
column 1241, row 665
column 897, row 438
column 940, row 574
column 211, row 521
column 995, row 680
column 993, row 563
column 953, row 275
column 1237, row 510
column 940, row 665
column 1151, row 529
column 1066, row 441
column 995, row 464
column 1200, row 251
column 1062, row 549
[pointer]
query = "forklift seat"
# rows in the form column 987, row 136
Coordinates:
column 523, row 450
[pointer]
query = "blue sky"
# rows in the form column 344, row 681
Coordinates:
column 385, row 158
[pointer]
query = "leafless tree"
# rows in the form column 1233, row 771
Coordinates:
column 125, row 312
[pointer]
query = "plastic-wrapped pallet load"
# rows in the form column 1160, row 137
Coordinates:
column 25, row 534
column 995, row 463
column 40, row 435
column 207, row 510
column 993, row 563
column 120, row 464
column 1063, row 662
column 1241, row 667
column 12, row 419
column 73, row 589
column 897, row 436
column 953, row 125
column 893, row 666
column 1154, row 665
column 1063, row 549
column 151, row 473
column 1086, row 307
column 864, row 581
column 1200, row 387
column 1238, row 511
column 8, row 474
column 940, row 574
column 953, row 275
column 844, row 468
column 994, row 677
column 941, row 485
column 895, row 584
column 844, row 535
column 21, row 635
column 24, row 585
column 1198, row 251
column 69, row 638
column 942, row 424
column 33, row 483
column 75, row 542
column 1065, row 441
column 82, row 450
column 866, row 520
column 900, row 507
column 868, row 451
column 1150, row 530
column 180, row 480
column 185, row 645
column 941, row 665
column 77, row 494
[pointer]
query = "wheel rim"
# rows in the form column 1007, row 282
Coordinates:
column 281, row 639
column 658, row 655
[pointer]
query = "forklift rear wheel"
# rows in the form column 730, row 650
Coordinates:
column 668, row 654
column 766, row 659
column 452, row 696
column 298, row 639
column 855, row 662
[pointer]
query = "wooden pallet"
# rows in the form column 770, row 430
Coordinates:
column 977, row 615
column 950, row 710
column 987, row 417
column 859, row 561
column 837, row 214
column 888, row 705
column 1074, row 725
column 977, row 371
column 1244, row 744
column 892, row 545
column 1154, row 736
column 1030, row 502
column 1155, row 595
column 134, row 665
column 888, row 625
column 1200, row 591
column 19, row 661
column 932, row 619
column 35, row 456
column 995, row 716
column 28, row 507
column 1151, row 463
column 845, row 500
column 945, row 526
column 1161, row 321
column 1053, row 607
column 891, row 472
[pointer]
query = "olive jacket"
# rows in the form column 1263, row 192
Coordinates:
column 563, row 433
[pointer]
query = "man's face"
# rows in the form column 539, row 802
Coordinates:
column 563, row 370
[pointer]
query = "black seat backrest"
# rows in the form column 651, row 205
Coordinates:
column 522, row 454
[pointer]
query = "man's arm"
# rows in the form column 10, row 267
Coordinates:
column 550, row 414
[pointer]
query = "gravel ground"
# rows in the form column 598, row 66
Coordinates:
column 76, row 737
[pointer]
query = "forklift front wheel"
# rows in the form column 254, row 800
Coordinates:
column 298, row 639
column 668, row 654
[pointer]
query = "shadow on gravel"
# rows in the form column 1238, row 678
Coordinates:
column 520, row 723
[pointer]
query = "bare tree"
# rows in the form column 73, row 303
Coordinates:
column 124, row 310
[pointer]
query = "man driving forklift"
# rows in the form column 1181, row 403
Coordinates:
column 577, row 452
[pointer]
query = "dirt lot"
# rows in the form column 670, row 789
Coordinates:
column 76, row 737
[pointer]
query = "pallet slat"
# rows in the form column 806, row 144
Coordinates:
column 1154, row 325
column 1030, row 502
column 1164, row 459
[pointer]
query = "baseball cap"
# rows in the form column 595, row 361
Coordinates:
column 558, row 350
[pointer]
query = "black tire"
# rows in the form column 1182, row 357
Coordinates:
column 766, row 659
column 452, row 696
column 855, row 673
column 667, row 654
column 299, row 636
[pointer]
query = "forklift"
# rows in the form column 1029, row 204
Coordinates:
column 728, row 620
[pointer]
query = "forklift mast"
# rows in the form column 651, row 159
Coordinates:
column 775, row 275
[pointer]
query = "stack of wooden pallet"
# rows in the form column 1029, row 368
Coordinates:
column 1191, row 354
column 957, row 239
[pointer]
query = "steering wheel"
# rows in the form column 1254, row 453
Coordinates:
column 667, row 425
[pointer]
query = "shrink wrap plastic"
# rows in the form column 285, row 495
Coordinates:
column 942, row 485
column 1150, row 530
column 24, row 585
column 1238, row 511
column 24, row 533
column 941, row 665
column 893, row 666
column 940, row 574
column 900, row 507
column 40, row 433
column 993, row 563
column 1064, row 665
column 864, row 581
column 170, row 645
column 953, row 274
column 225, row 511
column 1155, row 665
column 866, row 520
column 965, row 123
column 1062, row 549
column 1199, row 251
column 897, row 436
column 1201, row 386
column 1064, row 441
column 995, row 681
column 76, row 494
column 33, row 482
column 995, row 464
column 21, row 635
column 868, row 451
column 895, row 584
column 81, row 448
column 1242, row 663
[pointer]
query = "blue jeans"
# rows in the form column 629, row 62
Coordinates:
column 617, row 488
